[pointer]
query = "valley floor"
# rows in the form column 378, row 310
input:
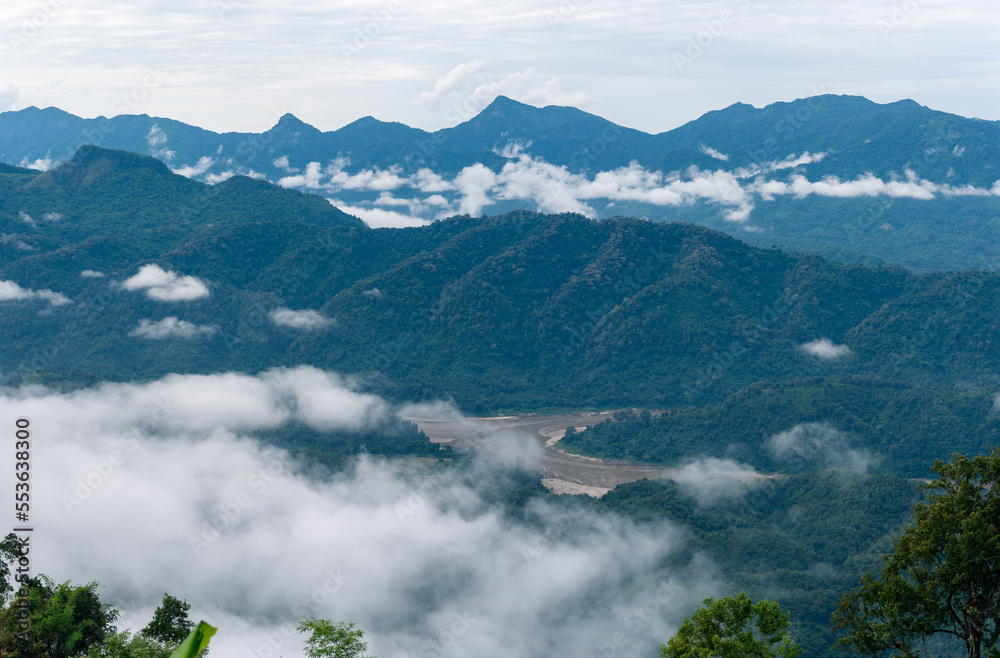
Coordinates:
column 534, row 439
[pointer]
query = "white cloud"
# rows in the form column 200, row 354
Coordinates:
column 865, row 186
column 166, row 286
column 92, row 274
column 712, row 480
column 156, row 140
column 26, row 218
column 418, row 559
column 374, row 293
column 310, row 179
column 170, row 327
column 10, row 291
column 212, row 179
column 428, row 181
column 189, row 171
column 52, row 216
column 825, row 349
column 282, row 163
column 554, row 189
column 42, row 164
column 791, row 51
column 792, row 161
column 307, row 320
column 452, row 81
column 386, row 199
column 381, row 218
column 475, row 183
column 10, row 96
column 711, row 152
column 550, row 93
column 819, row 443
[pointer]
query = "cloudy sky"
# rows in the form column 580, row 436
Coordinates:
column 651, row 65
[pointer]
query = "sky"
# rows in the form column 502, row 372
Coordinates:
column 238, row 65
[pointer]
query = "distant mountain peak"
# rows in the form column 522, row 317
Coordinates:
column 92, row 163
column 507, row 102
column 290, row 122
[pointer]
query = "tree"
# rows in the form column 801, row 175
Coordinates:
column 942, row 577
column 10, row 551
column 124, row 644
column 329, row 640
column 170, row 623
column 65, row 621
column 733, row 627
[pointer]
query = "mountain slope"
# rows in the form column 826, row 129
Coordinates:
column 519, row 311
column 841, row 176
column 522, row 311
column 139, row 202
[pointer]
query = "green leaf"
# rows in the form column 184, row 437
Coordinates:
column 195, row 642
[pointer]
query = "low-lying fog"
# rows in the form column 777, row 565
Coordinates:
column 153, row 488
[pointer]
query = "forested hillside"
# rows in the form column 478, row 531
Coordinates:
column 523, row 311
column 841, row 176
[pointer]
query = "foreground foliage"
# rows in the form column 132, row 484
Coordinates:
column 801, row 541
column 733, row 627
column 943, row 575
column 333, row 640
column 71, row 621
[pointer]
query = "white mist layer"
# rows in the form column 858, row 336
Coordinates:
column 150, row 489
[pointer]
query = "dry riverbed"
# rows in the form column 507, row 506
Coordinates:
column 534, row 439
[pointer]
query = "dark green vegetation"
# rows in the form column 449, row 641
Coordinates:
column 941, row 234
column 906, row 427
column 519, row 312
column 859, row 137
column 333, row 640
column 801, row 541
column 66, row 620
column 527, row 312
column 335, row 449
column 941, row 582
column 733, row 627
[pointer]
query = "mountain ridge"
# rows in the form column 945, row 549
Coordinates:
column 893, row 182
column 560, row 310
